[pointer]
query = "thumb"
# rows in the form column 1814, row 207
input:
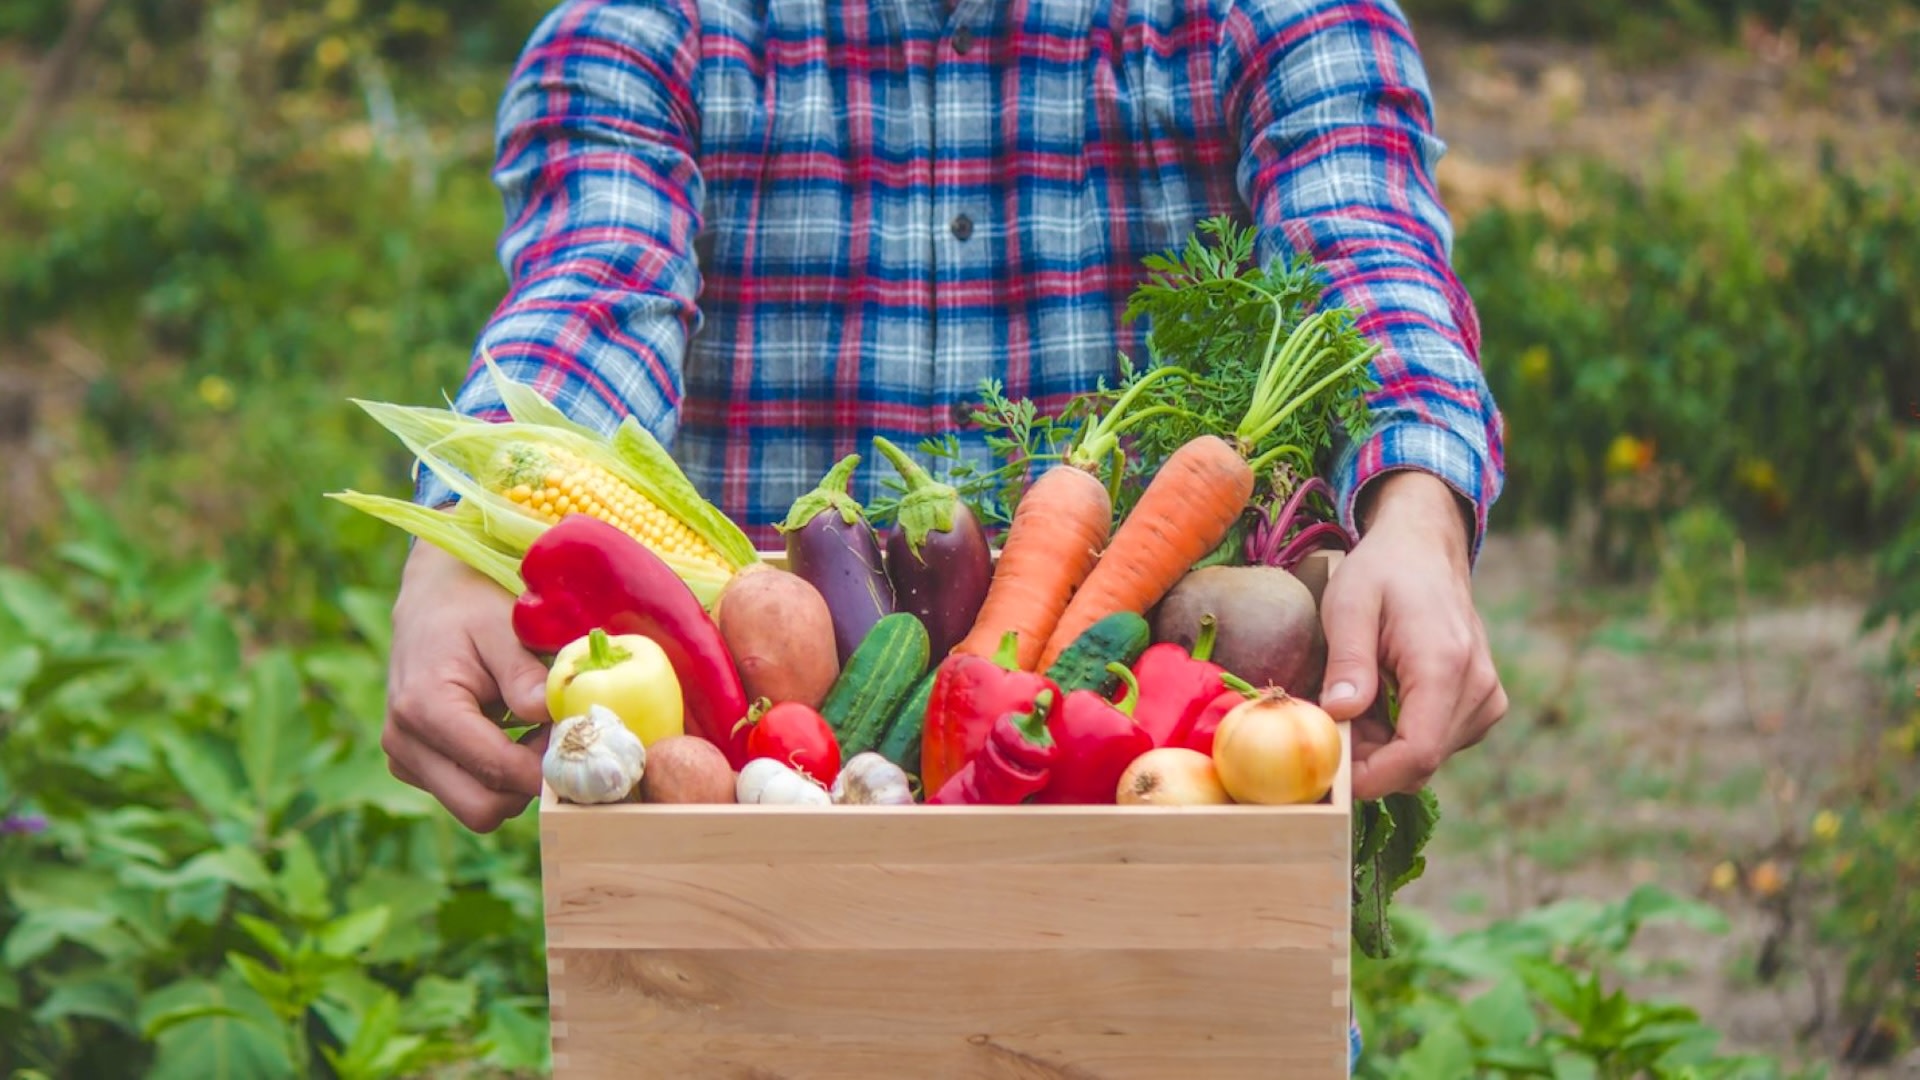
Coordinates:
column 519, row 674
column 1350, row 616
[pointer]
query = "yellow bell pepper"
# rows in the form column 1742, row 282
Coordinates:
column 628, row 675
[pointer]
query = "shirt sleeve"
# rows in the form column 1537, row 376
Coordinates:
column 596, row 144
column 1335, row 116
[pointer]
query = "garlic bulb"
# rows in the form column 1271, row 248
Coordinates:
column 768, row 781
column 869, row 779
column 594, row 758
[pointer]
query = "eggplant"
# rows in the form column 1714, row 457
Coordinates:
column 937, row 555
column 831, row 546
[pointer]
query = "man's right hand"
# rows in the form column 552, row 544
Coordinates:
column 455, row 663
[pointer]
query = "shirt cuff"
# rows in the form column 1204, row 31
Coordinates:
column 1429, row 448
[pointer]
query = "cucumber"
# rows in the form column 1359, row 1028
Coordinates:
column 875, row 681
column 1120, row 637
column 901, row 743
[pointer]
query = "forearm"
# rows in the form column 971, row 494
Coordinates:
column 596, row 170
column 1337, row 125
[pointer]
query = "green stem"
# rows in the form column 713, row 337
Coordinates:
column 1101, row 438
column 1235, row 682
column 602, row 653
column 1283, row 374
column 1033, row 725
column 1203, row 645
column 1308, row 394
column 1266, row 460
column 1132, row 697
column 1008, row 654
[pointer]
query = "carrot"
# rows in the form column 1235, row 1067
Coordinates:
column 1184, row 513
column 1059, row 527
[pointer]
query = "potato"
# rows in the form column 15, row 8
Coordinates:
column 1267, row 626
column 780, row 633
column 686, row 769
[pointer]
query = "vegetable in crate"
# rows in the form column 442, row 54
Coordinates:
column 517, row 478
column 1098, row 740
column 902, row 742
column 629, row 675
column 1060, row 526
column 594, row 758
column 686, row 769
column 871, row 780
column 780, row 634
column 1171, row 776
column 833, row 547
column 1087, row 664
column 1175, row 684
column 769, row 782
column 1012, row 766
column 583, row 573
column 969, row 693
column 878, row 678
column 1198, row 732
column 794, row 735
column 1276, row 749
column 1268, row 628
column 937, row 554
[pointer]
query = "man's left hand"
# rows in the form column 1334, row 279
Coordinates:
column 1402, row 600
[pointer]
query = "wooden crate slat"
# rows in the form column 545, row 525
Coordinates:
column 1291, row 904
column 950, row 992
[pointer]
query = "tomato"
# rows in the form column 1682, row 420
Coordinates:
column 797, row 735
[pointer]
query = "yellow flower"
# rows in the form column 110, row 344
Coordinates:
column 1535, row 364
column 1724, row 877
column 216, row 393
column 1627, row 454
column 1758, row 476
column 1826, row 824
column 331, row 54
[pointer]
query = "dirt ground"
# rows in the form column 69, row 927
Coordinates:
column 1633, row 756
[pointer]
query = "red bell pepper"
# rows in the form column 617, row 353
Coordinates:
column 1198, row 733
column 582, row 574
column 796, row 735
column 1176, row 684
column 969, row 694
column 1098, row 740
column 1013, row 766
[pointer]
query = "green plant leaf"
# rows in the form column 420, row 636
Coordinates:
column 213, row 1029
column 273, row 737
column 438, row 1003
column 302, row 885
column 1502, row 1016
column 347, row 935
column 38, row 932
column 205, row 771
column 95, row 993
column 37, row 609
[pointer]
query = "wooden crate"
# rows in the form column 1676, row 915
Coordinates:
column 928, row 943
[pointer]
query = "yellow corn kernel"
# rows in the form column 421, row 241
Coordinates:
column 557, row 482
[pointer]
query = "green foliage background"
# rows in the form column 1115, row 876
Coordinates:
column 257, row 207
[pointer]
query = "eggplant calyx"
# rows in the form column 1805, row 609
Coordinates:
column 927, row 505
column 831, row 494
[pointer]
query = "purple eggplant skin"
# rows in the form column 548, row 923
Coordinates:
column 832, row 547
column 938, row 556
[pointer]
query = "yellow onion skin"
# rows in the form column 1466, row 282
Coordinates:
column 1276, row 749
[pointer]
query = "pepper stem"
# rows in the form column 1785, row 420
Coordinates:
column 602, row 653
column 1033, row 723
column 1235, row 682
column 1008, row 654
column 1132, row 697
column 1203, row 645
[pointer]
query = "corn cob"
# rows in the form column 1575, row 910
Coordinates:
column 517, row 478
column 551, row 482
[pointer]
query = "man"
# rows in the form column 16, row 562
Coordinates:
column 774, row 228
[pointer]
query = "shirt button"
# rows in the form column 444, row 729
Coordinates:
column 962, row 227
column 962, row 413
column 962, row 40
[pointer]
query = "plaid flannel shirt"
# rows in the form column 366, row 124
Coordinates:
column 772, row 229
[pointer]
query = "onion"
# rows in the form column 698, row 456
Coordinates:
column 1276, row 749
column 1171, row 776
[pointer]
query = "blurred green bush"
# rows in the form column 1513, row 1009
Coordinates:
column 1745, row 341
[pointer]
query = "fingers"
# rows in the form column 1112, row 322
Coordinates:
column 519, row 675
column 448, row 722
column 474, row 805
column 1420, row 744
column 1350, row 615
